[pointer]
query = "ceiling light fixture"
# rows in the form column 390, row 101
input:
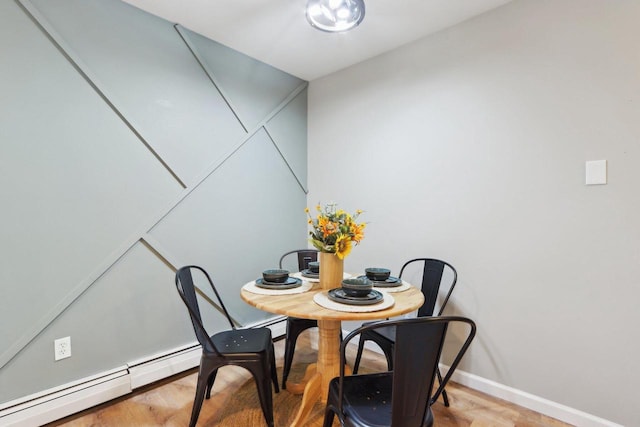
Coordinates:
column 335, row 15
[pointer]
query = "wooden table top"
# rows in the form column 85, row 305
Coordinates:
column 303, row 306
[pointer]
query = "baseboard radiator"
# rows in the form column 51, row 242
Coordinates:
column 50, row 405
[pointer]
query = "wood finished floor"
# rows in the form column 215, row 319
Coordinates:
column 168, row 402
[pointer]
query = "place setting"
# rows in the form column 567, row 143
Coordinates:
column 356, row 294
column 381, row 279
column 277, row 282
column 312, row 272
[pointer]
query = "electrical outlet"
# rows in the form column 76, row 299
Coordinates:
column 62, row 348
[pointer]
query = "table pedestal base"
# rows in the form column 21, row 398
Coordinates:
column 315, row 384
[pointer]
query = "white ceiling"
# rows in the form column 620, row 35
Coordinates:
column 277, row 32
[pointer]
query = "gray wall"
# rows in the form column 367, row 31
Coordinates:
column 129, row 147
column 470, row 146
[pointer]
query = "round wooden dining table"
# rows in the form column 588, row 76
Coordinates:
column 315, row 384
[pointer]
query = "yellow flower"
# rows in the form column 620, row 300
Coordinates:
column 306, row 210
column 343, row 246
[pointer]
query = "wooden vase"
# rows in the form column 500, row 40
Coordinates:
column 331, row 271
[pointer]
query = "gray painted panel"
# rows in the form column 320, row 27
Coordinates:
column 253, row 88
column 149, row 74
column 239, row 221
column 105, row 332
column 76, row 183
column 289, row 131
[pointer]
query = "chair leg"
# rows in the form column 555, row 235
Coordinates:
column 289, row 348
column 328, row 417
column 201, row 389
column 445, row 398
column 274, row 372
column 356, row 363
column 385, row 346
column 388, row 353
column 263, row 384
column 444, row 392
column 266, row 401
column 212, row 378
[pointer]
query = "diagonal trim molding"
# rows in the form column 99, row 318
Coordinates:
column 187, row 41
column 286, row 162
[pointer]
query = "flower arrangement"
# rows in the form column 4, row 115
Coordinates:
column 334, row 230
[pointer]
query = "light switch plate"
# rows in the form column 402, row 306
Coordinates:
column 596, row 172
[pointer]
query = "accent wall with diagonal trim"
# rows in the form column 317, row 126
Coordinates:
column 130, row 146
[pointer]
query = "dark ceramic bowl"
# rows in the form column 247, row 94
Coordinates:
column 275, row 275
column 357, row 286
column 377, row 274
column 314, row 267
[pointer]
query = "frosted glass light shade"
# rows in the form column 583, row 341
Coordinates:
column 335, row 15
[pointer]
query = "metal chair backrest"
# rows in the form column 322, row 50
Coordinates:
column 305, row 256
column 419, row 343
column 432, row 273
column 187, row 291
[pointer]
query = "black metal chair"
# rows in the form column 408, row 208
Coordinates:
column 295, row 325
column 402, row 397
column 432, row 273
column 251, row 349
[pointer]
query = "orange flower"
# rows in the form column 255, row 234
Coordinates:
column 358, row 232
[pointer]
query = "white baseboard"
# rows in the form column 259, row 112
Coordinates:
column 543, row 406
